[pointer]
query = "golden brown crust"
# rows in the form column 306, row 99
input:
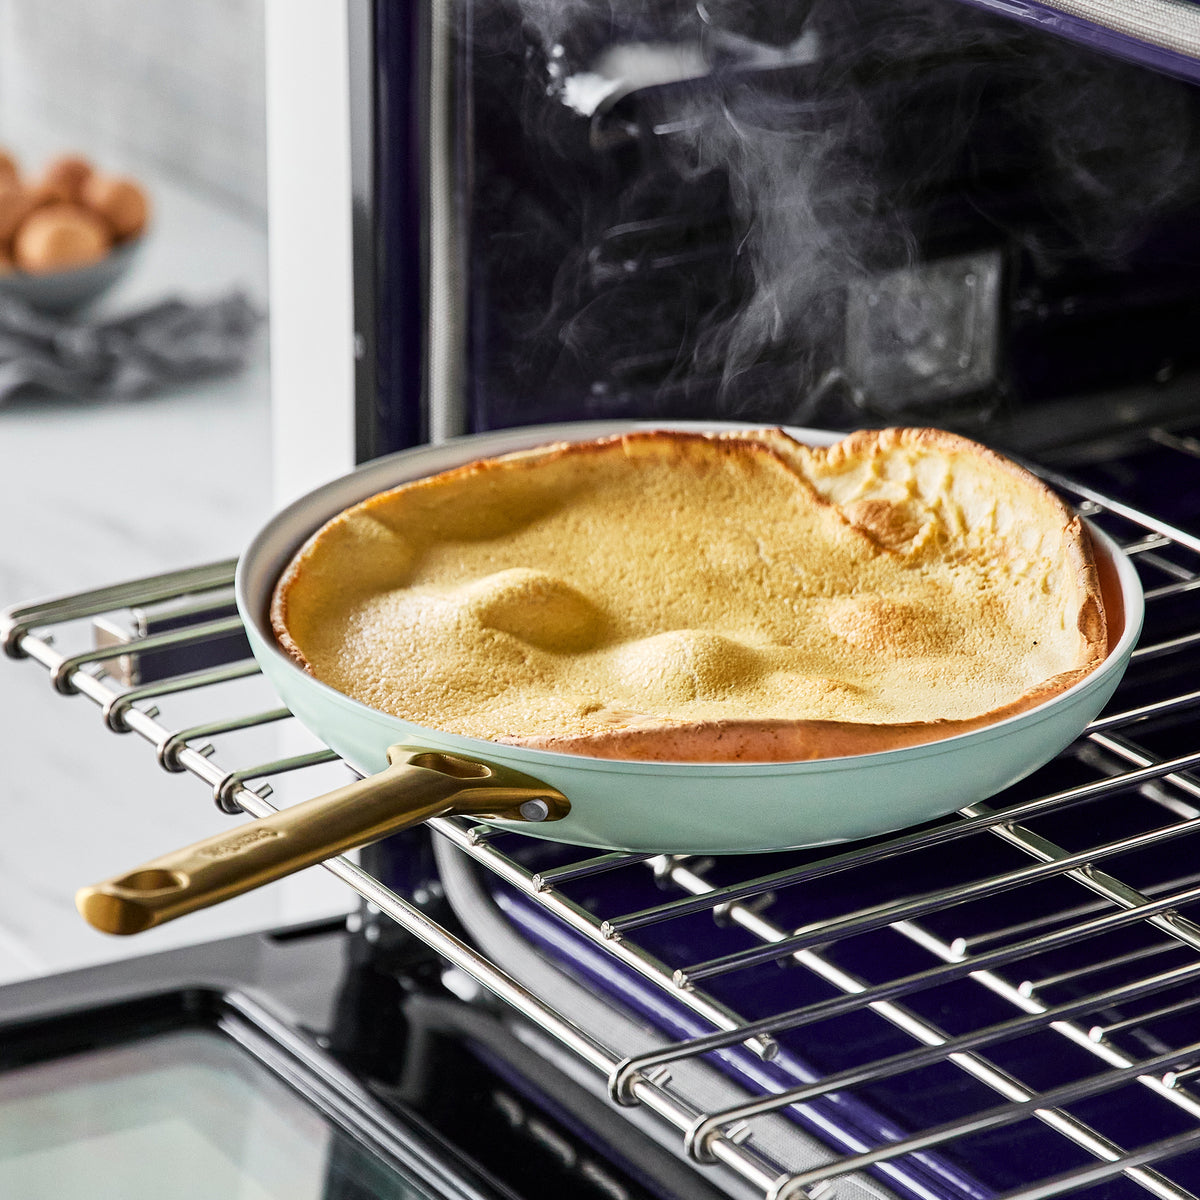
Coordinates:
column 778, row 740
column 826, row 592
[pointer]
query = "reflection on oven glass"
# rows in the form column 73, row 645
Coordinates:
column 184, row 1114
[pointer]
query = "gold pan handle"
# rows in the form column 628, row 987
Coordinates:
column 417, row 785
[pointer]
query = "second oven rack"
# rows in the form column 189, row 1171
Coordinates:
column 1059, row 929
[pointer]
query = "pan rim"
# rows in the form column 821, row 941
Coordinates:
column 307, row 513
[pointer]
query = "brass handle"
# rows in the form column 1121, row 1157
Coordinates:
column 418, row 784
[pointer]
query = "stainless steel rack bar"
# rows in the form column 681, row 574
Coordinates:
column 1086, row 970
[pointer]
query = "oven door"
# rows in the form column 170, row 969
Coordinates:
column 112, row 1086
column 315, row 1061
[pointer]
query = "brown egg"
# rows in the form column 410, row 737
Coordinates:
column 119, row 201
column 48, row 191
column 59, row 237
column 10, row 172
column 15, row 205
column 6, row 263
column 66, row 176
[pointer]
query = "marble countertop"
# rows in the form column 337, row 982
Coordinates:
column 93, row 493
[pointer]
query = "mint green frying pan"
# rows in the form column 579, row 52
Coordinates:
column 414, row 773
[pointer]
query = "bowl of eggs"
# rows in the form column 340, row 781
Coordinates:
column 68, row 233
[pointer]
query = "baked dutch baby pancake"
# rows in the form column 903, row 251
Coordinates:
column 681, row 596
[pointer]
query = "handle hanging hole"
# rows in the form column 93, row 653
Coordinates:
column 152, row 880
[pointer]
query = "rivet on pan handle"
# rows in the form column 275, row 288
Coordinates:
column 417, row 785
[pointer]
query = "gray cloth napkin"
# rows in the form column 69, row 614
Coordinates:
column 170, row 342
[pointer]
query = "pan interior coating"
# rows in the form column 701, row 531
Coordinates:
column 703, row 597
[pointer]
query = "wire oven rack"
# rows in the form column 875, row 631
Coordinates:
column 1023, row 975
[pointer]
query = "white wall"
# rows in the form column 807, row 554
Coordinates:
column 175, row 83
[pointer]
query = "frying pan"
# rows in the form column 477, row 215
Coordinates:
column 414, row 773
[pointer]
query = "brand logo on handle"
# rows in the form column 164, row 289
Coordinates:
column 239, row 842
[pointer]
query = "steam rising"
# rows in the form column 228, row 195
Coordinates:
column 832, row 159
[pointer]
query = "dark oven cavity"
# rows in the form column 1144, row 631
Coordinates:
column 831, row 214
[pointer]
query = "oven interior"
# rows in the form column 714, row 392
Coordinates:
column 831, row 213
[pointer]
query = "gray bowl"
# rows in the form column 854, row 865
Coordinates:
column 64, row 291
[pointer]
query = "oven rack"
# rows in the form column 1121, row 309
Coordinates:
column 1067, row 934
